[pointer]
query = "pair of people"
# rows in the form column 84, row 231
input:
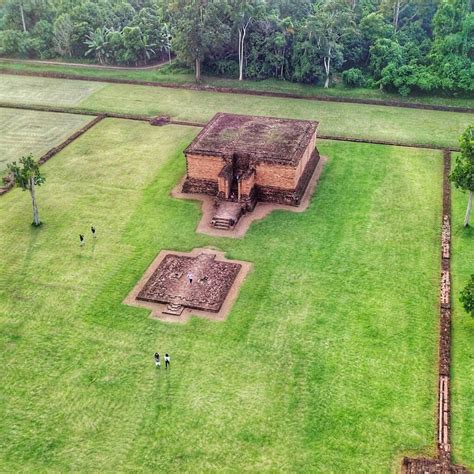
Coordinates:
column 158, row 360
column 82, row 239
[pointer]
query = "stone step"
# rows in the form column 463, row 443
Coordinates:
column 221, row 223
column 174, row 309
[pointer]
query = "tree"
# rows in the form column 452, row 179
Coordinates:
column 242, row 28
column 467, row 297
column 22, row 17
column 463, row 172
column 383, row 53
column 453, row 45
column 63, row 32
column 201, row 32
column 97, row 43
column 26, row 175
column 244, row 13
column 395, row 7
column 330, row 22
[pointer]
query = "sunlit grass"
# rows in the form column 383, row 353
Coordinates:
column 327, row 362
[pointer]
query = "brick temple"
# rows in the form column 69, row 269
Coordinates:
column 243, row 160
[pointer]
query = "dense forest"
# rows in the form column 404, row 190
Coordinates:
column 398, row 45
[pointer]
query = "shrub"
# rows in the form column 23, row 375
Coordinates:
column 353, row 77
column 225, row 67
column 11, row 42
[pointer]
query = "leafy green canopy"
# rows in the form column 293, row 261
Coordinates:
column 463, row 172
column 398, row 45
column 26, row 174
column 467, row 297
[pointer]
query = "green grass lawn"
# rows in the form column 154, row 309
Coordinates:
column 27, row 131
column 350, row 120
column 183, row 76
column 33, row 90
column 327, row 362
column 463, row 337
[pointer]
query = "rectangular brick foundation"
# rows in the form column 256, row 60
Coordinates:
column 291, row 197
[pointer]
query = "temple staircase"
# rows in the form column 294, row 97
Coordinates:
column 227, row 215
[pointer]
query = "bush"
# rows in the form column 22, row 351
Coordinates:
column 225, row 67
column 353, row 78
column 11, row 42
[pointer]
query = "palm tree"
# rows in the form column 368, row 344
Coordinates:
column 97, row 43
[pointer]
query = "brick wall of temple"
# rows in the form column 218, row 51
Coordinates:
column 204, row 167
column 277, row 176
column 306, row 157
column 284, row 177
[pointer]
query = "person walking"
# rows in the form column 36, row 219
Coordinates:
column 82, row 240
column 167, row 360
column 157, row 360
column 190, row 277
column 93, row 231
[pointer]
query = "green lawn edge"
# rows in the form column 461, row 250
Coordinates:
column 171, row 75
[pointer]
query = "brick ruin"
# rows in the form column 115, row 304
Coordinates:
column 207, row 290
column 176, row 285
column 243, row 160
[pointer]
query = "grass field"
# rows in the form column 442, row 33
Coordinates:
column 27, row 131
column 172, row 74
column 463, row 337
column 349, row 120
column 30, row 90
column 327, row 362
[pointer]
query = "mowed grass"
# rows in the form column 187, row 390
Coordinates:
column 463, row 337
column 399, row 125
column 172, row 74
column 33, row 90
column 327, row 362
column 27, row 131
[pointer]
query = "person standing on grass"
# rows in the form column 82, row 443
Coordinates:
column 190, row 277
column 82, row 240
column 167, row 360
column 157, row 360
column 93, row 231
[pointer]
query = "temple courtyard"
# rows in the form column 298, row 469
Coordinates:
column 325, row 359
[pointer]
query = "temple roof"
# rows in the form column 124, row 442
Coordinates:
column 261, row 138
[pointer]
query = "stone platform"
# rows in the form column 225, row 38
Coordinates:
column 166, row 290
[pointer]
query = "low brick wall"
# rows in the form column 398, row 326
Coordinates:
column 200, row 186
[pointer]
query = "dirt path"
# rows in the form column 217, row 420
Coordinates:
column 91, row 66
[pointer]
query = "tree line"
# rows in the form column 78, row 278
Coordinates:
column 398, row 45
